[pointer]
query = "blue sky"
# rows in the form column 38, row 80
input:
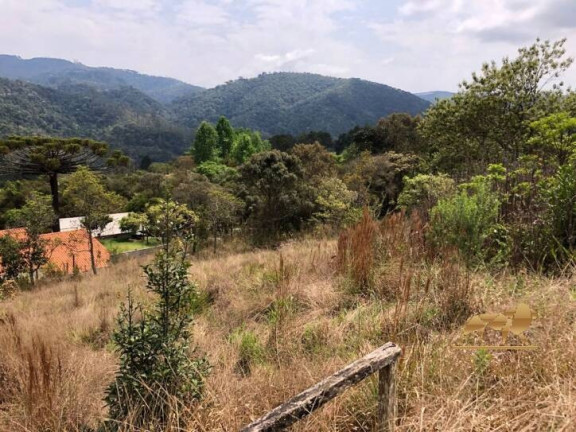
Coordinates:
column 416, row 45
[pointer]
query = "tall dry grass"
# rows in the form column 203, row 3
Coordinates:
column 289, row 318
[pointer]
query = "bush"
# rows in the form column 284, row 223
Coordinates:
column 465, row 222
column 156, row 370
column 424, row 190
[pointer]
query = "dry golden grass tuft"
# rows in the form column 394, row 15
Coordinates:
column 277, row 321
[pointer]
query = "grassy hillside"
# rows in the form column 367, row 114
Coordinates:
column 278, row 321
column 56, row 72
column 297, row 102
column 124, row 117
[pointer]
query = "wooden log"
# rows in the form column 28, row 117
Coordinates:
column 314, row 397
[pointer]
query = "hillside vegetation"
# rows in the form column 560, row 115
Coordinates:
column 124, row 117
column 281, row 261
column 293, row 103
column 279, row 321
column 53, row 72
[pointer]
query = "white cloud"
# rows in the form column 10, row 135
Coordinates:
column 421, row 45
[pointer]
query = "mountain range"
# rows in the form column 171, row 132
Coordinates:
column 156, row 116
column 433, row 96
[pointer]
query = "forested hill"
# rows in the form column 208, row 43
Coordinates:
column 125, row 117
column 433, row 96
column 282, row 102
column 56, row 72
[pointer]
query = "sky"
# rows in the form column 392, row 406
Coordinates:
column 415, row 45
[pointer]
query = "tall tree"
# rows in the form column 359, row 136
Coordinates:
column 276, row 194
column 225, row 137
column 488, row 120
column 243, row 148
column 87, row 197
column 34, row 156
column 205, row 143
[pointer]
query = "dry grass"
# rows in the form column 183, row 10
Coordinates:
column 279, row 321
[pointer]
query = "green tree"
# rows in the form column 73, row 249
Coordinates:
column 316, row 160
column 173, row 224
column 278, row 199
column 11, row 260
column 335, row 203
column 243, row 148
column 424, row 190
column 221, row 212
column 205, row 146
column 554, row 135
column 36, row 217
column 87, row 197
column 50, row 157
column 488, row 120
column 225, row 137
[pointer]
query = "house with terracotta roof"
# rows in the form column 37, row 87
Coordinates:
column 69, row 250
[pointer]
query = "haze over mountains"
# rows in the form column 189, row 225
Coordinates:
column 156, row 116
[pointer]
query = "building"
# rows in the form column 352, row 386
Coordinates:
column 112, row 229
column 68, row 250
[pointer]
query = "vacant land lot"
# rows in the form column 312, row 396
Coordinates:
column 275, row 322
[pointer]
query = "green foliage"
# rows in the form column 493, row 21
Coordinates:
column 277, row 197
column 205, row 146
column 489, row 118
column 554, row 135
column 560, row 196
column 244, row 147
column 157, row 374
column 86, row 196
column 133, row 223
column 217, row 172
column 295, row 103
column 172, row 223
column 35, row 217
column 335, row 203
column 465, row 222
column 225, row 137
column 11, row 260
column 250, row 350
column 124, row 117
column 424, row 190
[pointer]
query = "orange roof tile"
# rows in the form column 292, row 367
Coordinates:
column 67, row 250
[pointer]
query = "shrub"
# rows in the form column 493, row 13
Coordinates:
column 155, row 364
column 465, row 222
column 424, row 190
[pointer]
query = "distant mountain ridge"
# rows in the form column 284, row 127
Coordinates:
column 154, row 116
column 56, row 72
column 125, row 118
column 288, row 102
column 432, row 96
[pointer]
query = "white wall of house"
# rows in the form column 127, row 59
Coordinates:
column 75, row 223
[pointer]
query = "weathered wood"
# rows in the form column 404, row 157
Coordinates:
column 386, row 399
column 314, row 397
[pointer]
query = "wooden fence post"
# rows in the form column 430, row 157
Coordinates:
column 381, row 360
column 386, row 399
